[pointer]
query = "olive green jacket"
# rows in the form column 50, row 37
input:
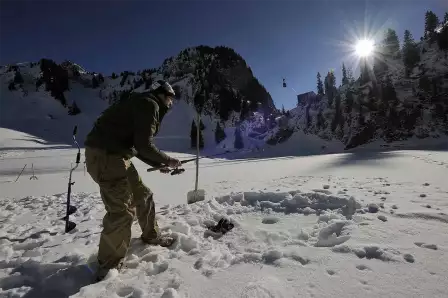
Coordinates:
column 127, row 128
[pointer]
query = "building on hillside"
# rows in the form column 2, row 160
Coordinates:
column 306, row 98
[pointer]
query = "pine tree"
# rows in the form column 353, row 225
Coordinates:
column 350, row 77
column 95, row 82
column 445, row 18
column 344, row 75
column 320, row 86
column 330, row 87
column 74, row 109
column 389, row 48
column 365, row 71
column 391, row 44
column 100, row 78
column 379, row 64
column 114, row 75
column 349, row 100
column 193, row 135
column 431, row 23
column 238, row 144
column 199, row 99
column 442, row 38
column 389, row 95
column 337, row 115
column 283, row 110
column 18, row 79
column 220, row 135
column 411, row 55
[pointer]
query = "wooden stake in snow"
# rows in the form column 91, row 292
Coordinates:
column 196, row 195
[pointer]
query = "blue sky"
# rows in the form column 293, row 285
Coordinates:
column 277, row 38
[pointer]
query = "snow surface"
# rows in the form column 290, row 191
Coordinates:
column 294, row 234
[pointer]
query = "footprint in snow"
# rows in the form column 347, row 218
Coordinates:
column 362, row 267
column 156, row 268
column 256, row 290
column 409, row 258
column 424, row 245
column 331, row 272
column 170, row 293
column 270, row 220
column 126, row 291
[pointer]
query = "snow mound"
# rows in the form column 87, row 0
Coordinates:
column 290, row 202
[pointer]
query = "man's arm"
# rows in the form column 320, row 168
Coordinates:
column 146, row 115
column 149, row 162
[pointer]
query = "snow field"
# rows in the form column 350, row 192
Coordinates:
column 282, row 230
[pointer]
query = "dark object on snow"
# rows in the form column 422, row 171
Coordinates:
column 373, row 208
column 223, row 226
column 69, row 225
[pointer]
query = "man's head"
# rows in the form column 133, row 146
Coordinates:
column 164, row 92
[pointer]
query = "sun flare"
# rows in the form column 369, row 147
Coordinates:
column 364, row 48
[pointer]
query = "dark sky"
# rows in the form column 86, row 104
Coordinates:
column 278, row 38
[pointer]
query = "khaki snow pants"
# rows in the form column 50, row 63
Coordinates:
column 124, row 195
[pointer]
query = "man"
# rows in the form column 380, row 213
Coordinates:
column 123, row 131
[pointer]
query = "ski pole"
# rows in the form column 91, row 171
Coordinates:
column 20, row 173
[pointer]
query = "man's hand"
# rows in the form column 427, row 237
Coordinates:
column 174, row 163
column 165, row 170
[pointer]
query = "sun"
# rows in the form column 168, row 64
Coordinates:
column 364, row 48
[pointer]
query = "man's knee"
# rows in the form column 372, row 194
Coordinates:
column 118, row 220
column 139, row 190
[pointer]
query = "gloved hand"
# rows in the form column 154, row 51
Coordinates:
column 165, row 170
column 174, row 163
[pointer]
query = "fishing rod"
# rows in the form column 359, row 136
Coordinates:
column 180, row 170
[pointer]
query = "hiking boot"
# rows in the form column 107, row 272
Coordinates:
column 101, row 272
column 164, row 241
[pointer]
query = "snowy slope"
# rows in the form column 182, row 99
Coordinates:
column 278, row 248
column 387, row 105
column 45, row 118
